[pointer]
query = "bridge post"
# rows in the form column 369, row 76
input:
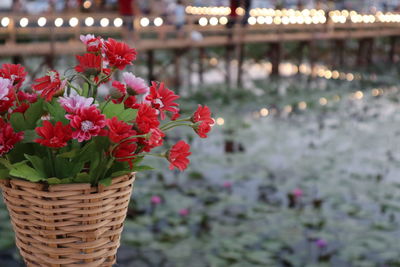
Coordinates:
column 177, row 70
column 365, row 51
column 202, row 54
column 276, row 57
column 150, row 65
column 392, row 51
column 338, row 55
column 228, row 60
column 241, row 55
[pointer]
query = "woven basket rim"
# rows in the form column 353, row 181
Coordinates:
column 47, row 187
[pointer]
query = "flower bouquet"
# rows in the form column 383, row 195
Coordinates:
column 68, row 155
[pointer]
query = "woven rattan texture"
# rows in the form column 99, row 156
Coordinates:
column 68, row 225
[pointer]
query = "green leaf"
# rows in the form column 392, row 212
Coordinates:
column 118, row 110
column 53, row 181
column 5, row 163
column 17, row 121
column 22, row 170
column 34, row 113
column 56, row 111
column 29, row 136
column 4, row 174
column 142, row 168
column 106, row 181
column 69, row 154
column 37, row 163
column 82, row 178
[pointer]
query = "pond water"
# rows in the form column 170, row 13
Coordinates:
column 296, row 172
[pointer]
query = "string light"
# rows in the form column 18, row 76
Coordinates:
column 87, row 4
column 213, row 21
column 252, row 20
column 223, row 20
column 89, row 21
column 42, row 21
column 73, row 22
column 5, row 21
column 203, row 21
column 24, row 22
column 118, row 22
column 104, row 22
column 58, row 22
column 158, row 21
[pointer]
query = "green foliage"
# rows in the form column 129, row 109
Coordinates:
column 111, row 110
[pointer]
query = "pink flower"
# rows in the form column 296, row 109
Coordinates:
column 86, row 38
column 155, row 200
column 4, row 88
column 184, row 212
column 72, row 103
column 297, row 192
column 227, row 184
column 87, row 122
column 321, row 243
column 138, row 85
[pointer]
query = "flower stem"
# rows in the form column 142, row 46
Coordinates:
column 73, row 87
column 52, row 161
column 176, row 125
column 172, row 122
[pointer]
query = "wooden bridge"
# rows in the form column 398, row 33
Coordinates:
column 58, row 34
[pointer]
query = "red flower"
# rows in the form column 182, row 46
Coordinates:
column 120, row 87
column 94, row 45
column 155, row 140
column 162, row 99
column 119, row 54
column 23, row 96
column 49, row 85
column 90, row 64
column 203, row 120
column 130, row 102
column 125, row 152
column 53, row 136
column 146, row 118
column 202, row 129
column 5, row 105
column 8, row 138
column 15, row 72
column 21, row 108
column 87, row 122
column 119, row 130
column 178, row 154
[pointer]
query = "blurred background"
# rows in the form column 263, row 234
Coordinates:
column 301, row 168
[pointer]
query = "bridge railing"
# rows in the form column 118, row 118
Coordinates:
column 60, row 32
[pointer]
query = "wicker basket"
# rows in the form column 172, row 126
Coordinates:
column 68, row 225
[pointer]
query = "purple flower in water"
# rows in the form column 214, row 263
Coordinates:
column 321, row 243
column 227, row 184
column 297, row 192
column 184, row 212
column 155, row 200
